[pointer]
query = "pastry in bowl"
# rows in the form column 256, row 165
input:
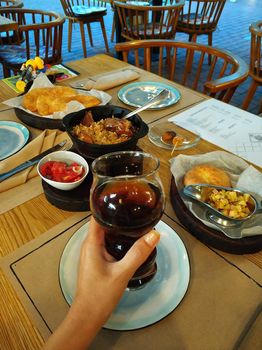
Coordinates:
column 207, row 174
column 46, row 101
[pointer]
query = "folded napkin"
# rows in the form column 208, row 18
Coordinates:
column 41, row 143
column 108, row 81
column 242, row 175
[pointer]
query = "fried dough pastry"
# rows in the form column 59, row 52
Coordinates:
column 87, row 101
column 46, row 101
column 30, row 99
column 207, row 174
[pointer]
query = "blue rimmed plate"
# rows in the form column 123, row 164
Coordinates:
column 13, row 137
column 137, row 94
column 145, row 306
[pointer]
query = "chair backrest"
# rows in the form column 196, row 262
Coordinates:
column 256, row 51
column 11, row 3
column 201, row 16
column 148, row 22
column 40, row 31
column 219, row 80
column 69, row 6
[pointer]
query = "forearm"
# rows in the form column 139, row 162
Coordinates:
column 78, row 329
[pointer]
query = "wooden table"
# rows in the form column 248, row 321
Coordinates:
column 29, row 220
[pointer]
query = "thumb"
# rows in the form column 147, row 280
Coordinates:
column 140, row 251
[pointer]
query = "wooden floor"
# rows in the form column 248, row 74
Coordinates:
column 232, row 34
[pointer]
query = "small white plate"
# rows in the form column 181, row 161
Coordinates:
column 13, row 137
column 145, row 306
column 156, row 132
column 137, row 94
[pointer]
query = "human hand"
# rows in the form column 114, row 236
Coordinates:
column 101, row 279
column 100, row 284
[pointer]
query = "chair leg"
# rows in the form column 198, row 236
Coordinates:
column 90, row 34
column 113, row 29
column 7, row 72
column 210, row 42
column 250, row 94
column 69, row 35
column 191, row 54
column 104, row 33
column 82, row 31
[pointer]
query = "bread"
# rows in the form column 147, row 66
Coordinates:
column 46, row 101
column 207, row 174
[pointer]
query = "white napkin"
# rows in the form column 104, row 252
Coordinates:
column 42, row 81
column 109, row 80
column 243, row 176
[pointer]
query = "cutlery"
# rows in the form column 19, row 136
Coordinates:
column 200, row 194
column 160, row 96
column 59, row 147
column 232, row 228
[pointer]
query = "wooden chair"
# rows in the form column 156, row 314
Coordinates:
column 218, row 80
column 7, row 37
column 148, row 22
column 85, row 12
column 39, row 34
column 255, row 67
column 11, row 3
column 200, row 17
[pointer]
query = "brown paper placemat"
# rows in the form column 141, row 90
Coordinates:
column 33, row 186
column 214, row 312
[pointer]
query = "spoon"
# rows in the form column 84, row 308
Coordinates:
column 160, row 96
column 200, row 193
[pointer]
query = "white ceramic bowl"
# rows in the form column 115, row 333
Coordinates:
column 68, row 157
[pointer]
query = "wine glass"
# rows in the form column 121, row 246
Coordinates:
column 127, row 199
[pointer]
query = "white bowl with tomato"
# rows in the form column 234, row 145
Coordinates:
column 63, row 170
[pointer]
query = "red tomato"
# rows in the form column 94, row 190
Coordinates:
column 61, row 172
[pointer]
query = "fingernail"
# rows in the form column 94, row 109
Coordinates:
column 152, row 238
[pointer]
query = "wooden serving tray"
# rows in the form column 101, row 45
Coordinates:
column 207, row 235
column 74, row 200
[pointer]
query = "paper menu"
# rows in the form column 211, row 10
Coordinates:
column 226, row 126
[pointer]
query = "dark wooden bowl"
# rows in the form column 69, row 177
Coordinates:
column 209, row 236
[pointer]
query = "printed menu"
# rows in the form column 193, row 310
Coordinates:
column 226, row 126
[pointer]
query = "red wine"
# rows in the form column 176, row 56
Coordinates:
column 128, row 209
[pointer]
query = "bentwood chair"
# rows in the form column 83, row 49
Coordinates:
column 200, row 17
column 255, row 67
column 8, row 37
column 11, row 3
column 39, row 34
column 148, row 22
column 218, row 80
column 85, row 12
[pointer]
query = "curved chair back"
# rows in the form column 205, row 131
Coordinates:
column 219, row 80
column 73, row 8
column 11, row 3
column 39, row 34
column 200, row 16
column 148, row 22
column 85, row 12
column 255, row 69
column 255, row 66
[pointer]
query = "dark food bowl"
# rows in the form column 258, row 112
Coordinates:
column 93, row 151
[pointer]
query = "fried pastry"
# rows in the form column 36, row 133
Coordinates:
column 30, row 99
column 46, row 101
column 207, row 174
column 87, row 101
